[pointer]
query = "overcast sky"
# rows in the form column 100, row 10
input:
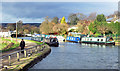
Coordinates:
column 37, row 11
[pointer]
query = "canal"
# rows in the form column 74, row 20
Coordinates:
column 80, row 56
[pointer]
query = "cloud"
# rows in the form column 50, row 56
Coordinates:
column 60, row 0
column 36, row 11
column 6, row 18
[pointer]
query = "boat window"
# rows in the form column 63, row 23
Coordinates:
column 97, row 39
column 87, row 39
column 101, row 39
column 90, row 39
column 111, row 39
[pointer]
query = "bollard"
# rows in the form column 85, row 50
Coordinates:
column 25, row 53
column 36, row 49
column 9, row 58
column 18, row 57
column 31, row 51
column 5, row 67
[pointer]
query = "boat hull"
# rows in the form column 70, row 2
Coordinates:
column 101, row 43
column 53, row 44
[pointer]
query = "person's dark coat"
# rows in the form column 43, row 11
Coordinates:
column 22, row 45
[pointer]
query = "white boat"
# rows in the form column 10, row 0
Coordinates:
column 60, row 38
column 98, row 40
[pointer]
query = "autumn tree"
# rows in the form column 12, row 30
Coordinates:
column 81, row 16
column 63, row 20
column 73, row 19
column 92, row 16
column 11, row 27
column 55, row 20
column 60, row 28
column 46, row 26
column 103, row 28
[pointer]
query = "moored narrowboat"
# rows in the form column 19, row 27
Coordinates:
column 98, row 40
column 51, row 41
column 74, row 37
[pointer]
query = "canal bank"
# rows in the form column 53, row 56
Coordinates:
column 25, row 63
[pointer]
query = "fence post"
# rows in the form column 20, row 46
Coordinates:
column 36, row 49
column 31, row 51
column 25, row 53
column 9, row 58
column 18, row 57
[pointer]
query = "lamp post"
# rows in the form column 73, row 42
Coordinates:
column 16, row 31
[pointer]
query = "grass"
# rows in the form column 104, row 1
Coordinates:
column 3, row 45
column 38, row 43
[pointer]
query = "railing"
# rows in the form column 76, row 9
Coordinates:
column 9, row 59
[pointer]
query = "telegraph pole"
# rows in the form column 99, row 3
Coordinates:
column 16, row 31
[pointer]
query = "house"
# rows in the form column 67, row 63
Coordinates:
column 5, row 34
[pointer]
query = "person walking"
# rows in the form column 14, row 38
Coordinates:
column 22, row 45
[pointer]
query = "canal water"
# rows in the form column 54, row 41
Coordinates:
column 80, row 56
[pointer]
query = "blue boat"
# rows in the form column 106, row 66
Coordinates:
column 74, row 37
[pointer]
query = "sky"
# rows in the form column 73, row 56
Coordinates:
column 35, row 12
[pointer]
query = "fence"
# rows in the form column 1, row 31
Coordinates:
column 7, row 60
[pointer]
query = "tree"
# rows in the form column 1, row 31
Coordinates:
column 82, row 28
column 60, row 28
column 11, row 27
column 34, row 29
column 101, row 18
column 114, row 27
column 55, row 20
column 46, row 27
column 92, row 16
column 93, row 27
column 81, row 16
column 73, row 19
column 103, row 28
column 63, row 20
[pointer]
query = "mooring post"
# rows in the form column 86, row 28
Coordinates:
column 25, row 53
column 31, row 51
column 36, row 49
column 9, row 58
column 18, row 57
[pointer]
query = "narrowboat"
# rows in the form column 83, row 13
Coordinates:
column 74, row 37
column 98, row 40
column 51, row 41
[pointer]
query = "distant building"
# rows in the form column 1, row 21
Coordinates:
column 5, row 34
column 109, row 20
column 74, row 28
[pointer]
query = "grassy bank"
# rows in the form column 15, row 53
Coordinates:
column 38, row 43
column 5, row 42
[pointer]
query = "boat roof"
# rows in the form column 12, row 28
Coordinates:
column 98, row 37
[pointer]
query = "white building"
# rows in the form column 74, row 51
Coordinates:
column 5, row 34
column 72, row 28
